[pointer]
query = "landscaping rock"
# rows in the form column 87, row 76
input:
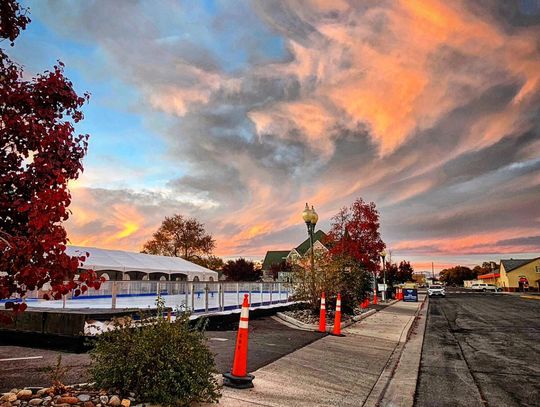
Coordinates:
column 5, row 404
column 125, row 403
column 43, row 392
column 114, row 401
column 16, row 403
column 35, row 402
column 83, row 397
column 9, row 397
column 89, row 404
column 24, row 394
column 103, row 399
column 68, row 400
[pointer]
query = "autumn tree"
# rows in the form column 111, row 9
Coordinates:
column 281, row 267
column 398, row 274
column 241, row 270
column 39, row 155
column 210, row 262
column 355, row 233
column 179, row 236
column 457, row 274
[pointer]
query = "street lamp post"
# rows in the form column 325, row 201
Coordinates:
column 311, row 218
column 383, row 256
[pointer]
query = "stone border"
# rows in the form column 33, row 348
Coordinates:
column 312, row 327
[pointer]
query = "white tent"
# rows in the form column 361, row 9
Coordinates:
column 118, row 260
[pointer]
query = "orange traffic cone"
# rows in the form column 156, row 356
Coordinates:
column 239, row 377
column 374, row 297
column 322, row 316
column 337, row 318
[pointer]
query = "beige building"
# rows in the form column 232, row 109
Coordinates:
column 517, row 274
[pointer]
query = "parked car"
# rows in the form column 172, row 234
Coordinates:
column 436, row 290
column 485, row 287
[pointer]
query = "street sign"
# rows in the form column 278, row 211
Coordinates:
column 410, row 295
column 382, row 287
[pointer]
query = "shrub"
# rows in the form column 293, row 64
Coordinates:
column 333, row 275
column 160, row 361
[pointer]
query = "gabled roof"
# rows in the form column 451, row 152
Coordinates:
column 274, row 257
column 513, row 264
column 305, row 245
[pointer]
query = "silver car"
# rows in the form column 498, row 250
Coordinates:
column 436, row 290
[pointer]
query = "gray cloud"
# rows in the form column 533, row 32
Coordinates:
column 465, row 177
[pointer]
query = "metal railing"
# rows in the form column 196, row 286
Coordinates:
column 204, row 296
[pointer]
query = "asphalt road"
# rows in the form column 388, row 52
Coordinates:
column 268, row 341
column 480, row 350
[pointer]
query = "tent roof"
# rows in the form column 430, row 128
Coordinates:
column 119, row 260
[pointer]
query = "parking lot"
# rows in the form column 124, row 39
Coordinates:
column 269, row 340
column 480, row 349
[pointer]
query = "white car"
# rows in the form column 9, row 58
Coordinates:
column 436, row 290
column 485, row 287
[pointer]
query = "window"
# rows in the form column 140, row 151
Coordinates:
column 538, row 269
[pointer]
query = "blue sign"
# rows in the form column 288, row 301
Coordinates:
column 410, row 295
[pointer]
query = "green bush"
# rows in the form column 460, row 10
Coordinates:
column 160, row 361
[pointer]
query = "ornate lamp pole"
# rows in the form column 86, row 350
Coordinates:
column 383, row 257
column 311, row 218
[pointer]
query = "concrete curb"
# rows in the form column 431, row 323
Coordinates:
column 384, row 382
column 530, row 297
column 401, row 388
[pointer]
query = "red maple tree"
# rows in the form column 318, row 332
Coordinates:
column 355, row 233
column 39, row 155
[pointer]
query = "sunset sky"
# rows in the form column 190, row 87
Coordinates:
column 239, row 112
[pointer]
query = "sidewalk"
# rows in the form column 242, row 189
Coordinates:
column 332, row 371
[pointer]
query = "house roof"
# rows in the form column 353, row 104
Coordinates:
column 513, row 264
column 303, row 247
column 274, row 257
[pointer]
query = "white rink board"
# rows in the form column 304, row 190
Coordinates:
column 231, row 301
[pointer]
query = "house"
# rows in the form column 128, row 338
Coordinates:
column 515, row 274
column 291, row 256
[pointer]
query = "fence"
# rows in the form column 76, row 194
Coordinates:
column 194, row 296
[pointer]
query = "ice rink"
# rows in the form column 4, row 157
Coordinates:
column 196, row 302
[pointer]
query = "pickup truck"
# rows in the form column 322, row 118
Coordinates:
column 485, row 287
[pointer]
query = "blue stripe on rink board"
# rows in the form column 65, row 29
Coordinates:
column 85, row 297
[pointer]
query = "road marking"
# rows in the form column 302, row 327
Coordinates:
column 218, row 339
column 25, row 358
